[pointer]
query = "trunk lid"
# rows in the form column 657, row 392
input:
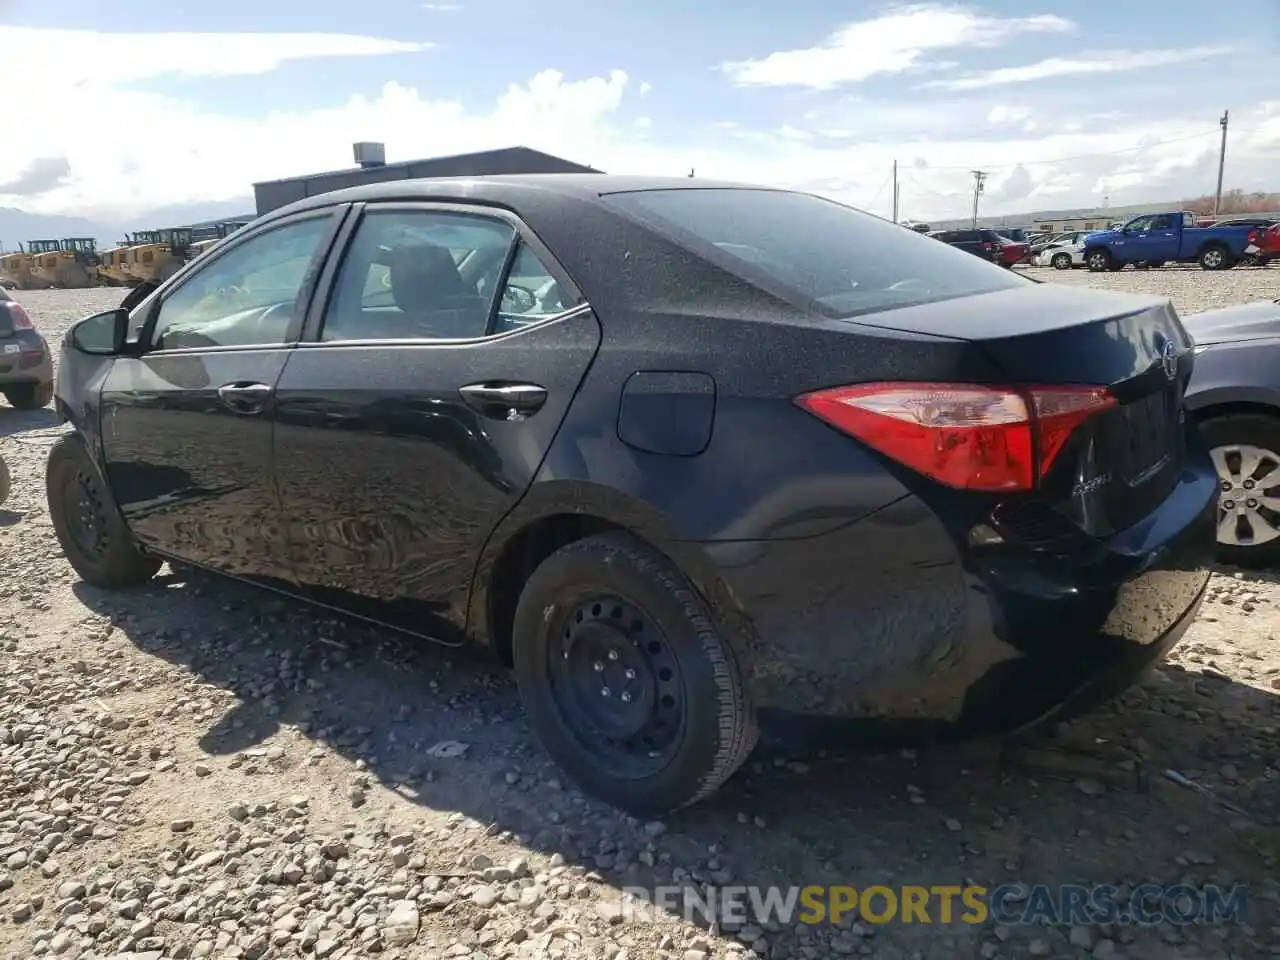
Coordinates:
column 1120, row 464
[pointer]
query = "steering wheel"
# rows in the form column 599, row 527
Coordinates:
column 518, row 299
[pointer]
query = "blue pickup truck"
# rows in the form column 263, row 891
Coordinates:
column 1154, row 239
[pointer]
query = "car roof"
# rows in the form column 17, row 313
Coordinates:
column 509, row 189
column 588, row 236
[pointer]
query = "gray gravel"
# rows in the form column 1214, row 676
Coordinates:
column 196, row 769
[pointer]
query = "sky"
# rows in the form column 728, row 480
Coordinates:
column 140, row 104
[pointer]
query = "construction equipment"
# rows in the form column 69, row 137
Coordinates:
column 16, row 268
column 44, row 262
column 207, row 237
column 111, row 268
column 156, row 255
column 69, row 264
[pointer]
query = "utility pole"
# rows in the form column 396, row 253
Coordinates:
column 895, row 191
column 979, row 177
column 1222, row 160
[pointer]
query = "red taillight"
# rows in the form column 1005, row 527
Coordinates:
column 1253, row 236
column 21, row 321
column 967, row 436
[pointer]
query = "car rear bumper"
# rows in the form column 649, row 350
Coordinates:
column 25, row 358
column 894, row 628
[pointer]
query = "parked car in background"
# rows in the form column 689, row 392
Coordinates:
column 1234, row 395
column 1012, row 252
column 1268, row 246
column 497, row 423
column 26, row 365
column 1074, row 236
column 985, row 244
column 1061, row 256
column 7, row 284
column 1155, row 239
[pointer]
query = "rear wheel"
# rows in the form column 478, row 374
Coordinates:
column 1061, row 261
column 1246, row 454
column 626, row 680
column 5, row 481
column 1214, row 258
column 29, row 396
column 1098, row 261
column 90, row 530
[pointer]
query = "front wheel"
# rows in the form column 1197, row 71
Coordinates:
column 626, row 679
column 1246, row 454
column 89, row 528
column 1061, row 261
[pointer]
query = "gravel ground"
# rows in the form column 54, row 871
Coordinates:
column 197, row 769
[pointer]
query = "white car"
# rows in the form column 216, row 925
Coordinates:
column 1061, row 256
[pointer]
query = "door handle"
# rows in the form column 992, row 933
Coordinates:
column 246, row 399
column 504, row 401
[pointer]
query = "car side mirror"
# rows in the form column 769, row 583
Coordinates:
column 101, row 335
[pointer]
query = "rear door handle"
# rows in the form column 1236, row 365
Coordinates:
column 504, row 401
column 246, row 399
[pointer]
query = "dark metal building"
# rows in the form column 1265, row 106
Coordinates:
column 373, row 168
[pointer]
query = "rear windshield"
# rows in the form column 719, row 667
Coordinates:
column 839, row 261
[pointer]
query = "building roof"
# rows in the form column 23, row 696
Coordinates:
column 481, row 158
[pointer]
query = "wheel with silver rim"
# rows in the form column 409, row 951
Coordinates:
column 1246, row 455
column 1098, row 260
column 1215, row 258
column 1061, row 261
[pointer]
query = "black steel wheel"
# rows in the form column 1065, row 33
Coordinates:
column 90, row 530
column 616, row 680
column 626, row 680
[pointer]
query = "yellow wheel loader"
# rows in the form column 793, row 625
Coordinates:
column 156, row 255
column 15, row 268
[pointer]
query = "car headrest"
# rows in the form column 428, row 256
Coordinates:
column 422, row 275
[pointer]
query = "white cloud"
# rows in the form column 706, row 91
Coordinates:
column 89, row 60
column 1114, row 61
column 893, row 42
column 128, row 150
column 1001, row 114
column 442, row 7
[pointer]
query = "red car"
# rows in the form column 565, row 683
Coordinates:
column 1269, row 244
column 1011, row 252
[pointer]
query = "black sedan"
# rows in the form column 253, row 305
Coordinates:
column 1235, row 396
column 684, row 454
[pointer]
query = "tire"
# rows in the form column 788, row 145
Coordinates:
column 105, row 554
column 1098, row 261
column 1215, row 258
column 1225, row 435
column 29, row 396
column 579, row 627
column 1061, row 261
column 6, row 482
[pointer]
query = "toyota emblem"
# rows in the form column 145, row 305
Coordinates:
column 1169, row 359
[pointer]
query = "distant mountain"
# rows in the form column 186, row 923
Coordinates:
column 19, row 226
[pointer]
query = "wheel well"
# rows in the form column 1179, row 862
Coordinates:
column 1233, row 407
column 1214, row 245
column 520, row 557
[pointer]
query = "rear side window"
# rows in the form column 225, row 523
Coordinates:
column 830, row 258
column 990, row 236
